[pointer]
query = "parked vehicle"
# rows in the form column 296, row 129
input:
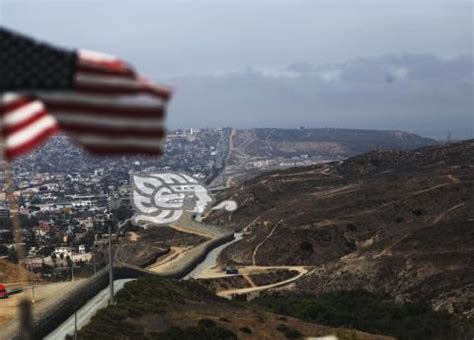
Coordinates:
column 3, row 292
column 231, row 270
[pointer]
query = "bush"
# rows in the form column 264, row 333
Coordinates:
column 195, row 333
column 368, row 312
column 245, row 330
column 418, row 212
column 351, row 227
column 306, row 246
column 206, row 323
column 293, row 334
column 282, row 328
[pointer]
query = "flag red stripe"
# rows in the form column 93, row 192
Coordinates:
column 112, row 132
column 96, row 109
column 23, row 124
column 16, row 104
column 122, row 90
column 114, row 66
column 32, row 143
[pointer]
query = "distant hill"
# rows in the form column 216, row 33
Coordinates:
column 327, row 143
column 253, row 151
column 388, row 221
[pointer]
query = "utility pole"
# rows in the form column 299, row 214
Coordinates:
column 75, row 323
column 72, row 264
column 121, row 251
column 33, row 292
column 111, row 265
column 93, row 255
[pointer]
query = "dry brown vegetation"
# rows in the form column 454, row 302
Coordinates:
column 9, row 273
column 398, row 222
column 157, row 308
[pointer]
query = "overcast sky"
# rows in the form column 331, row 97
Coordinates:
column 178, row 38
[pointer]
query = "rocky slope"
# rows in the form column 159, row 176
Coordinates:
column 397, row 222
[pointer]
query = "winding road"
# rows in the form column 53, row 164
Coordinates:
column 206, row 269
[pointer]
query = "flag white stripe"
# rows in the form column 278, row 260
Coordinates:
column 142, row 100
column 23, row 113
column 87, row 79
column 97, row 56
column 30, row 132
column 108, row 121
column 8, row 97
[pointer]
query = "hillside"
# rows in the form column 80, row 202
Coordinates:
column 156, row 308
column 9, row 273
column 323, row 142
column 396, row 222
column 254, row 151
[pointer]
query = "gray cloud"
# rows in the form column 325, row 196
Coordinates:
column 334, row 77
column 424, row 94
column 180, row 37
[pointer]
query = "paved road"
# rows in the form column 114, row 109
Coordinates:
column 86, row 312
column 101, row 299
column 211, row 259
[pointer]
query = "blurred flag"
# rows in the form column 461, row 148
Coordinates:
column 96, row 99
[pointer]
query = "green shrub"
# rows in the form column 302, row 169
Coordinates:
column 195, row 333
column 245, row 330
column 282, row 328
column 307, row 246
column 365, row 311
column 206, row 323
column 293, row 334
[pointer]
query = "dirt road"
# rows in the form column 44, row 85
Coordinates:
column 246, row 271
column 45, row 295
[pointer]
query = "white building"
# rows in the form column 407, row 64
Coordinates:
column 66, row 251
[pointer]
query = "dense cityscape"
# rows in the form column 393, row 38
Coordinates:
column 67, row 198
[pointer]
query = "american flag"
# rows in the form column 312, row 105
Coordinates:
column 97, row 99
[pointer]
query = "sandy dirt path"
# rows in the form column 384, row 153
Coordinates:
column 251, row 269
column 254, row 255
column 446, row 212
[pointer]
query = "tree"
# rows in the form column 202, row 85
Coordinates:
column 12, row 256
column 306, row 246
column 3, row 250
column 88, row 239
column 122, row 213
